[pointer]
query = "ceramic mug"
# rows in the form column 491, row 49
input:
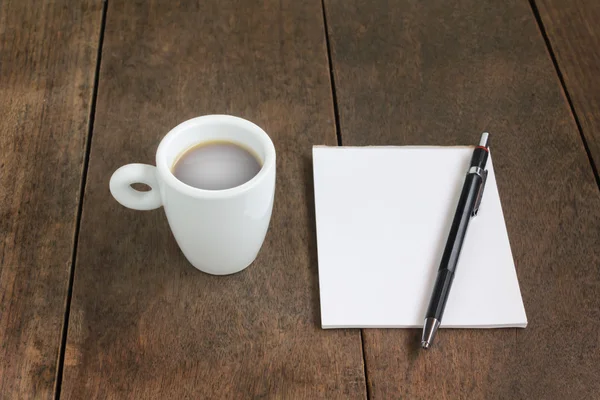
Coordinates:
column 220, row 232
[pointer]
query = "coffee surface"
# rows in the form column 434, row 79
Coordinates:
column 216, row 165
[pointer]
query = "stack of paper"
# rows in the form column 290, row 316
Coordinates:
column 383, row 215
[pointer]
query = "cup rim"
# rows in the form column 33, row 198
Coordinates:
column 169, row 178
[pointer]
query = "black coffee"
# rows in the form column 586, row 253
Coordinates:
column 216, row 165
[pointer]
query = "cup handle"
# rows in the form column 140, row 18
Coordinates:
column 120, row 187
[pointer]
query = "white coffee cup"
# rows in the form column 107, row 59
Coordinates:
column 220, row 232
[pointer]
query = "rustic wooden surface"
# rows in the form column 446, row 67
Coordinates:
column 47, row 60
column 574, row 34
column 144, row 323
column 434, row 73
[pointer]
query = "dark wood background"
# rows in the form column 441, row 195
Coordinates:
column 96, row 301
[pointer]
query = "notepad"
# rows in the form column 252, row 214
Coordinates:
column 383, row 215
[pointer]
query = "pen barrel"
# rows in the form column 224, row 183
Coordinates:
column 454, row 245
column 479, row 158
column 439, row 297
column 460, row 223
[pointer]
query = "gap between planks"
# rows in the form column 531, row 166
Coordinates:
column 563, row 85
column 86, row 161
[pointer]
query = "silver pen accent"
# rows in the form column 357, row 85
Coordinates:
column 430, row 328
column 484, row 139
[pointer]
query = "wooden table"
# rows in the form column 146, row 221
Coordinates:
column 96, row 301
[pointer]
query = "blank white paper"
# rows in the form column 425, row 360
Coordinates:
column 383, row 215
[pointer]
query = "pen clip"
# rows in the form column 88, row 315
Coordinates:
column 480, row 193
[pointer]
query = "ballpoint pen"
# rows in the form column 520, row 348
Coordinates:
column 468, row 206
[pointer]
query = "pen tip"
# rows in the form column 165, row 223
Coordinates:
column 425, row 345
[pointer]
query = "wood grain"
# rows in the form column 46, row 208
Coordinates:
column 573, row 31
column 144, row 323
column 435, row 73
column 48, row 56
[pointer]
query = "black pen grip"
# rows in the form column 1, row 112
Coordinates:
column 439, row 297
column 453, row 247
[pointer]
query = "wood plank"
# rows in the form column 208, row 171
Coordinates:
column 48, row 54
column 573, row 31
column 144, row 323
column 432, row 73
